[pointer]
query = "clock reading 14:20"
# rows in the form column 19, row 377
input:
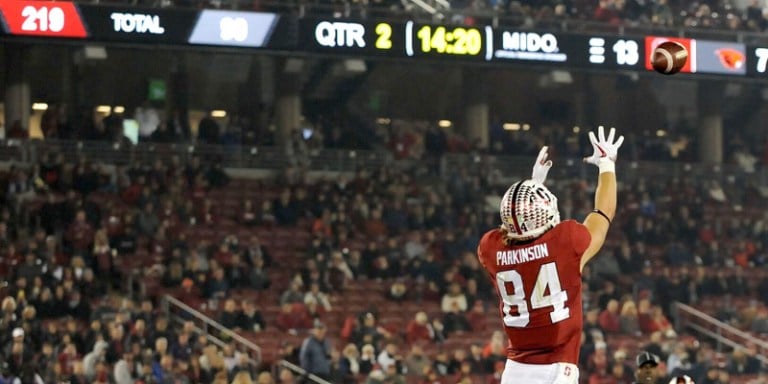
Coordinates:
column 454, row 41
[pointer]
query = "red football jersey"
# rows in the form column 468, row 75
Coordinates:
column 539, row 287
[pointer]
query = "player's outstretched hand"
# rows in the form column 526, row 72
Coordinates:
column 542, row 166
column 605, row 149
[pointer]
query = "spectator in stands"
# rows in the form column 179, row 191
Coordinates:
column 80, row 233
column 315, row 353
column 416, row 361
column 628, row 318
column 285, row 210
column 218, row 286
column 293, row 293
column 419, row 329
column 349, row 366
column 712, row 376
column 678, row 359
column 93, row 358
column 230, row 315
column 609, row 319
column 390, row 355
column 208, row 130
column 454, row 298
column 495, row 350
column 740, row 363
column 259, row 276
column 314, row 295
column 455, row 319
column 250, row 319
column 125, row 370
column 292, row 318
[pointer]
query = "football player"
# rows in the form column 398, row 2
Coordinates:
column 535, row 262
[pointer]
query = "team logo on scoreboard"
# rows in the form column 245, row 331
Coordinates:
column 530, row 46
column 731, row 58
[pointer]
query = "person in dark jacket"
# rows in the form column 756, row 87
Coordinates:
column 315, row 353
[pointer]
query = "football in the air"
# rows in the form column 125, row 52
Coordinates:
column 669, row 57
column 685, row 379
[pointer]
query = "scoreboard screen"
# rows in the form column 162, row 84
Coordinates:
column 406, row 40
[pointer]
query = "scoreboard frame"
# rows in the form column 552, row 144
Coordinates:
column 406, row 40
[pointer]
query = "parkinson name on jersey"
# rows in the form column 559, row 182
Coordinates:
column 522, row 255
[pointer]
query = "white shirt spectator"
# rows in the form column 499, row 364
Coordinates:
column 148, row 120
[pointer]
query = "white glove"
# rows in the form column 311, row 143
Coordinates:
column 605, row 150
column 542, row 166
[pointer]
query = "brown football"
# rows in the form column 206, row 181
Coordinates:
column 669, row 57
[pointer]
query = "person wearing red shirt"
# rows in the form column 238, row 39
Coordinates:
column 419, row 329
column 535, row 262
column 80, row 233
column 609, row 318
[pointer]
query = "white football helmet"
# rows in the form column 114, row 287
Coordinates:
column 528, row 209
column 685, row 379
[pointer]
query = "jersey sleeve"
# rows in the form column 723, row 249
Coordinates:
column 580, row 237
column 480, row 246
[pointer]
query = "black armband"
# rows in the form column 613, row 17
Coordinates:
column 601, row 213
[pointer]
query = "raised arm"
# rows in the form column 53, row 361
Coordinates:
column 599, row 220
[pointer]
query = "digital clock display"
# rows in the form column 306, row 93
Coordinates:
column 453, row 41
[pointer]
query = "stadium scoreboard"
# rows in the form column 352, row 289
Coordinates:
column 367, row 38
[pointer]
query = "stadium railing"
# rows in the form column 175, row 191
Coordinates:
column 723, row 334
column 181, row 312
column 302, row 373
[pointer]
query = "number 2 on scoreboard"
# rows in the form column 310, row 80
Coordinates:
column 547, row 278
column 384, row 33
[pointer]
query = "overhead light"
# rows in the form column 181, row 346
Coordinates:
column 219, row 113
column 511, row 126
column 103, row 109
column 293, row 65
column 383, row 120
column 95, row 52
column 561, row 77
column 526, row 127
column 661, row 133
column 118, row 109
column 576, row 129
column 355, row 66
column 444, row 123
column 39, row 106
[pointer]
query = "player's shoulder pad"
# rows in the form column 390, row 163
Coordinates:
column 493, row 235
column 579, row 234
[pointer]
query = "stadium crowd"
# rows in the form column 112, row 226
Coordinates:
column 75, row 237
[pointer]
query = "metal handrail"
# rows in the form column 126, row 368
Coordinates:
column 738, row 338
column 212, row 323
column 302, row 372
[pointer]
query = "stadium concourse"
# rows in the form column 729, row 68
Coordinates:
column 384, row 258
